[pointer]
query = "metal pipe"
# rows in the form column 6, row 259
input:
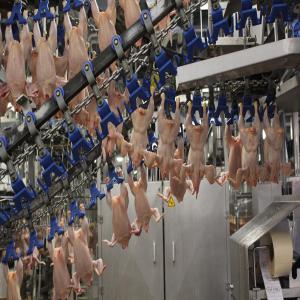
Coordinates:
column 276, row 34
column 296, row 142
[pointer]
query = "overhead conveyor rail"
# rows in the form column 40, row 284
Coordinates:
column 19, row 134
column 265, row 58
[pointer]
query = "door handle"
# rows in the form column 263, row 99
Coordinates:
column 154, row 252
column 173, row 251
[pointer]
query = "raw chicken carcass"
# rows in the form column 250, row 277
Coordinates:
column 14, row 280
column 61, row 276
column 197, row 135
column 122, row 230
column 141, row 119
column 250, row 138
column 234, row 146
column 4, row 98
column 16, row 80
column 105, row 22
column 273, row 146
column 84, row 265
column 77, row 56
column 178, row 179
column 143, row 210
column 168, row 130
column 132, row 11
column 45, row 65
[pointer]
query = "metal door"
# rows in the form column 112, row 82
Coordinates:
column 137, row 272
column 196, row 234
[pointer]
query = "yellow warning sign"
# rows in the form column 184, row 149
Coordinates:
column 171, row 202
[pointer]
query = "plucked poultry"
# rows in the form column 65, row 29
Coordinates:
column 105, row 22
column 197, row 135
column 84, row 265
column 250, row 137
column 234, row 146
column 122, row 230
column 14, row 278
column 45, row 64
column 143, row 210
column 61, row 276
column 179, row 183
column 273, row 146
column 77, row 56
column 132, row 11
column 168, row 130
column 16, row 81
column 141, row 119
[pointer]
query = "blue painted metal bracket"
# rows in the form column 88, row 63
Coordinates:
column 23, row 195
column 279, row 9
column 197, row 107
column 113, row 177
column 234, row 113
column 165, row 66
column 136, row 91
column 4, row 217
column 75, row 212
column 170, row 102
column 103, row 109
column 132, row 84
column 222, row 107
column 77, row 4
column 54, row 228
column 43, row 11
column 34, row 242
column 95, row 194
column 162, row 61
column 16, row 15
column 193, row 43
column 129, row 167
column 248, row 107
column 107, row 116
column 50, row 167
column 247, row 11
column 296, row 28
column 10, row 253
column 152, row 141
column 219, row 22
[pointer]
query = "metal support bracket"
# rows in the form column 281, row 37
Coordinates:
column 193, row 42
column 247, row 11
column 219, row 22
column 222, row 107
column 43, row 11
column 16, row 14
column 77, row 4
column 114, row 178
column 197, row 106
column 279, row 9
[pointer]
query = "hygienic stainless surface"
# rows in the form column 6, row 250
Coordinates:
column 273, row 56
column 196, row 252
column 131, row 273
